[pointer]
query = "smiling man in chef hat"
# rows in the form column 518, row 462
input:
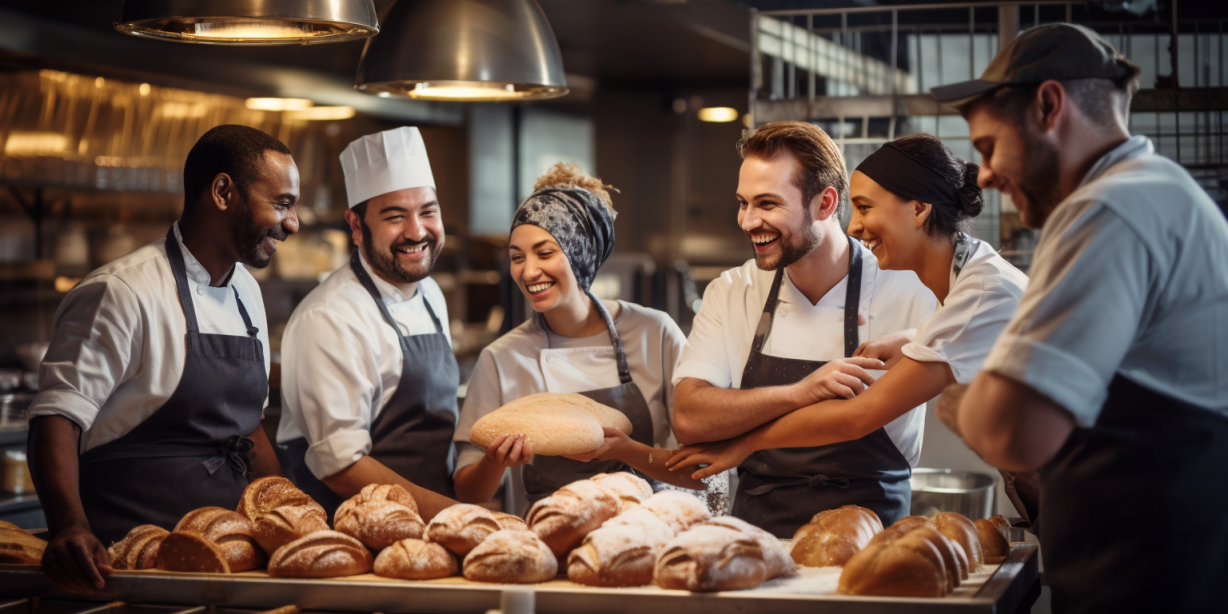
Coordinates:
column 368, row 376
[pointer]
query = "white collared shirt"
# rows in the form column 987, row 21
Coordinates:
column 719, row 344
column 117, row 349
column 341, row 363
column 981, row 300
column 1130, row 276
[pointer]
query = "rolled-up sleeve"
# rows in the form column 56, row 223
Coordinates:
column 483, row 395
column 705, row 355
column 1086, row 298
column 97, row 337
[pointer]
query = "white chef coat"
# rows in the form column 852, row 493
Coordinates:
column 341, row 363
column 719, row 344
column 117, row 350
column 980, row 301
column 528, row 360
column 1130, row 276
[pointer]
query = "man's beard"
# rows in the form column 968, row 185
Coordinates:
column 387, row 264
column 248, row 239
column 1039, row 181
column 793, row 247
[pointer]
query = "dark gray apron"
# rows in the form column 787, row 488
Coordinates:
column 780, row 490
column 412, row 434
column 191, row 452
column 547, row 474
column 1136, row 508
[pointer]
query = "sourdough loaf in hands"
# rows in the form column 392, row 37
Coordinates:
column 678, row 509
column 280, row 513
column 138, row 549
column 908, row 566
column 323, row 554
column 554, row 423
column 777, row 559
column 18, row 547
column 630, row 489
column 994, row 535
column 380, row 515
column 513, row 557
column 564, row 518
column 462, row 527
column 231, row 532
column 833, row 536
column 191, row 552
column 711, row 558
column 414, row 559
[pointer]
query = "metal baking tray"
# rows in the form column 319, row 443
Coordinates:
column 1011, row 585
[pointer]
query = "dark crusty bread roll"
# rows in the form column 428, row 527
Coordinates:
column 994, row 535
column 628, row 488
column 380, row 515
column 908, row 566
column 18, row 547
column 617, row 555
column 324, row 554
column 462, row 527
column 572, row 512
column 513, row 557
column 777, row 559
column 678, row 509
column 832, row 536
column 511, row 522
column 280, row 513
column 414, row 559
column 962, row 531
column 711, row 558
column 231, row 532
column 192, row 552
column 138, row 549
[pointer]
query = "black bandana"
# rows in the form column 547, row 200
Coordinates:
column 907, row 177
column 581, row 223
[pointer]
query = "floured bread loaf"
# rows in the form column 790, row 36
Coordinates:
column 833, row 536
column 18, row 547
column 564, row 518
column 678, row 509
column 994, row 535
column 777, row 559
column 280, row 513
column 619, row 554
column 380, row 515
column 711, row 558
column 555, row 423
column 462, row 527
column 511, row 522
column 908, row 566
column 962, row 531
column 414, row 559
column 230, row 531
column 138, row 549
column 324, row 554
column 514, row 557
column 190, row 551
column 630, row 489
column 643, row 520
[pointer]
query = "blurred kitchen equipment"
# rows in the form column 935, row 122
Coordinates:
column 117, row 243
column 10, row 379
column 17, row 478
column 947, row 490
column 72, row 249
column 250, row 22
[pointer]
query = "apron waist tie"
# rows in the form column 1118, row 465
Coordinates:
column 233, row 452
column 813, row 481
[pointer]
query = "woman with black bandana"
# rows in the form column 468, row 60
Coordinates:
column 912, row 203
column 618, row 353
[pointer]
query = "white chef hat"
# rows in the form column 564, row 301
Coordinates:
column 385, row 162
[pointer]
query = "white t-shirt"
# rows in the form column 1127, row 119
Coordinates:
column 526, row 361
column 117, row 350
column 719, row 344
column 341, row 362
column 980, row 301
column 1130, row 276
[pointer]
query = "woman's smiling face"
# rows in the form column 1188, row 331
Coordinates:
column 541, row 269
column 889, row 227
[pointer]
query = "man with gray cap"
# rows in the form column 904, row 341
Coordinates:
column 368, row 376
column 1109, row 380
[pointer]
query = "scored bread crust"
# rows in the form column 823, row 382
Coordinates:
column 617, row 555
column 832, row 537
column 777, row 559
column 18, row 547
column 380, row 515
column 280, row 513
column 189, row 551
column 994, row 535
column 962, row 531
column 564, row 518
column 909, row 566
column 511, row 522
column 554, row 423
column 711, row 558
column 678, row 509
column 414, row 559
column 460, row 528
column 630, row 489
column 231, row 532
column 325, row 554
column 138, row 549
column 516, row 557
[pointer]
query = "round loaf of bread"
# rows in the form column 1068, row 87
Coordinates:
column 777, row 559
column 617, row 555
column 711, row 558
column 564, row 518
column 138, row 549
column 909, row 566
column 280, row 513
column 511, row 557
column 510, row 522
column 554, row 423
column 678, row 509
column 962, row 531
column 231, row 532
column 630, row 489
column 462, row 527
column 268, row 493
column 643, row 520
column 414, row 559
column 994, row 535
column 324, row 554
column 17, row 547
column 380, row 515
column 834, row 536
column 192, row 552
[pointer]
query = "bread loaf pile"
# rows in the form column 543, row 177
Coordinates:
column 915, row 557
column 834, row 536
column 554, row 423
column 211, row 539
column 722, row 554
column 138, row 549
column 624, row 550
column 18, row 547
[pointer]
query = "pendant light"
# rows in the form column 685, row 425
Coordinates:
column 250, row 22
column 463, row 50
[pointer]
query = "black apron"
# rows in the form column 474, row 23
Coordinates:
column 1136, row 508
column 191, row 452
column 412, row 434
column 780, row 490
column 547, row 474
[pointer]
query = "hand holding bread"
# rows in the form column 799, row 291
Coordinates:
column 556, row 423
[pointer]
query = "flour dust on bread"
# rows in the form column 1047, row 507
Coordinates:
column 554, row 423
column 379, row 516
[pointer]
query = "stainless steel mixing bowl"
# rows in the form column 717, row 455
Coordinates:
column 947, row 490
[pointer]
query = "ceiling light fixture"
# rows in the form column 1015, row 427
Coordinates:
column 250, row 22
column 278, row 104
column 322, row 113
column 718, row 115
column 464, row 50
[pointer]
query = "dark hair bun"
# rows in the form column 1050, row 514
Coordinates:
column 946, row 219
column 971, row 199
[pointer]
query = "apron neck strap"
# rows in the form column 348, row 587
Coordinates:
column 965, row 247
column 620, row 353
column 174, row 254
column 365, row 280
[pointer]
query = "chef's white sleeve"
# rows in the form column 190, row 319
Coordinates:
column 1087, row 294
column 329, row 383
column 705, row 356
column 96, row 340
column 673, row 342
column 963, row 330
column 483, row 395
